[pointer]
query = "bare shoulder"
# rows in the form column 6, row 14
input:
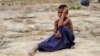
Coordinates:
column 56, row 21
column 69, row 19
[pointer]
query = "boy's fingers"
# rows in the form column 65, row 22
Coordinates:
column 57, row 35
column 65, row 9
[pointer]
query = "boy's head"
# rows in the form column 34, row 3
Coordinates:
column 61, row 8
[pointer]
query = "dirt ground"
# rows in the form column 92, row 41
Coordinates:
column 21, row 28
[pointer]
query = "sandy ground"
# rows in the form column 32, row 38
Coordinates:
column 23, row 28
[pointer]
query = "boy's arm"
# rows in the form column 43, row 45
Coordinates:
column 55, row 26
column 60, row 23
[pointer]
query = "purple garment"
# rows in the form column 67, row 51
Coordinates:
column 53, row 43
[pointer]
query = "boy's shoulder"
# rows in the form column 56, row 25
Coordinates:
column 67, row 18
column 57, row 20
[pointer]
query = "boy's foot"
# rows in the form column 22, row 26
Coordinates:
column 31, row 53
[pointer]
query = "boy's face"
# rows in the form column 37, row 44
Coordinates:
column 60, row 11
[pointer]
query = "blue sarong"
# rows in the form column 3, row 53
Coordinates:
column 54, row 44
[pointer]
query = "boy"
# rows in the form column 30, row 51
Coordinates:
column 63, row 36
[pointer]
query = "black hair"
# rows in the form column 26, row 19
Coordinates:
column 62, row 6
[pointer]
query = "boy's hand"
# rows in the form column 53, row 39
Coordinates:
column 65, row 10
column 58, row 35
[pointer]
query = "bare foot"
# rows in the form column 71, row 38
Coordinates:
column 30, row 54
column 33, row 51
